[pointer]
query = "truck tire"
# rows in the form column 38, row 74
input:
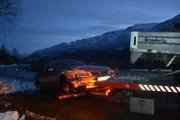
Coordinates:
column 123, row 96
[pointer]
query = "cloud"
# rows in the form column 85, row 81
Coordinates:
column 66, row 32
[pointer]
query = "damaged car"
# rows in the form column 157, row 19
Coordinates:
column 71, row 76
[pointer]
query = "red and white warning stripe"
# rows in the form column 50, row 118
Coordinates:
column 159, row 88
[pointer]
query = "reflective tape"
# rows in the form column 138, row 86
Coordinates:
column 151, row 87
column 162, row 88
column 167, row 88
column 142, row 88
column 173, row 89
column 146, row 87
column 159, row 88
column 156, row 87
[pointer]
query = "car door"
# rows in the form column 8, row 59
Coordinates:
column 48, row 78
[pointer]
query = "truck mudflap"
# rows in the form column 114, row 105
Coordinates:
column 142, row 105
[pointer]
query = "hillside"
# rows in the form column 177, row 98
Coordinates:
column 112, row 47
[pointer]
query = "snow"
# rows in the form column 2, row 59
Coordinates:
column 14, row 115
column 9, row 115
column 34, row 116
column 4, row 104
column 10, row 85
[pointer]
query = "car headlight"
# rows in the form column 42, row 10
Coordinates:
column 103, row 78
column 84, row 75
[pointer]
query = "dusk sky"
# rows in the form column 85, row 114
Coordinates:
column 44, row 23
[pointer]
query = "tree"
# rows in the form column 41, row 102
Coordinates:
column 9, row 10
column 3, row 54
column 6, row 57
column 3, row 50
column 16, row 53
column 177, row 25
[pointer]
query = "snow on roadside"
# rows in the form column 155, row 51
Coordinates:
column 4, row 104
column 34, row 116
column 10, row 115
column 11, row 85
column 14, row 115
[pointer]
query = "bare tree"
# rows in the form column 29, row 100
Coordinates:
column 9, row 10
column 16, row 53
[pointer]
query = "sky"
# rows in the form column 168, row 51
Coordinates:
column 44, row 23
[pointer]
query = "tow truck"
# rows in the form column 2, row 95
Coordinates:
column 158, row 85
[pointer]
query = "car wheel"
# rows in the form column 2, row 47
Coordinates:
column 124, row 96
column 38, row 87
column 81, row 90
column 63, row 85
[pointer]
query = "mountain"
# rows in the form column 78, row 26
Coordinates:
column 117, row 39
column 110, row 47
column 168, row 25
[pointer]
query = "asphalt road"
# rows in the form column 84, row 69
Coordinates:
column 90, row 107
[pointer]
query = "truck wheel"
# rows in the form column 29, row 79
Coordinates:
column 124, row 95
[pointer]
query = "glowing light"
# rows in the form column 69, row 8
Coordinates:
column 107, row 92
column 104, row 78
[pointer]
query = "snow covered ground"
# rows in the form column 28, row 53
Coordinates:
column 11, row 85
column 14, row 115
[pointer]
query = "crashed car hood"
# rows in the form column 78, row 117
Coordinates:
column 93, row 68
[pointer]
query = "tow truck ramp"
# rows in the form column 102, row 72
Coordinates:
column 153, row 46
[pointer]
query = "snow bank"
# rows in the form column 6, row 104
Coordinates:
column 10, row 85
column 33, row 116
column 4, row 104
column 10, row 115
column 14, row 115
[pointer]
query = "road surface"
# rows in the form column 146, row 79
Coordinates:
column 92, row 107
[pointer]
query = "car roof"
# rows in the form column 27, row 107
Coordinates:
column 66, row 61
